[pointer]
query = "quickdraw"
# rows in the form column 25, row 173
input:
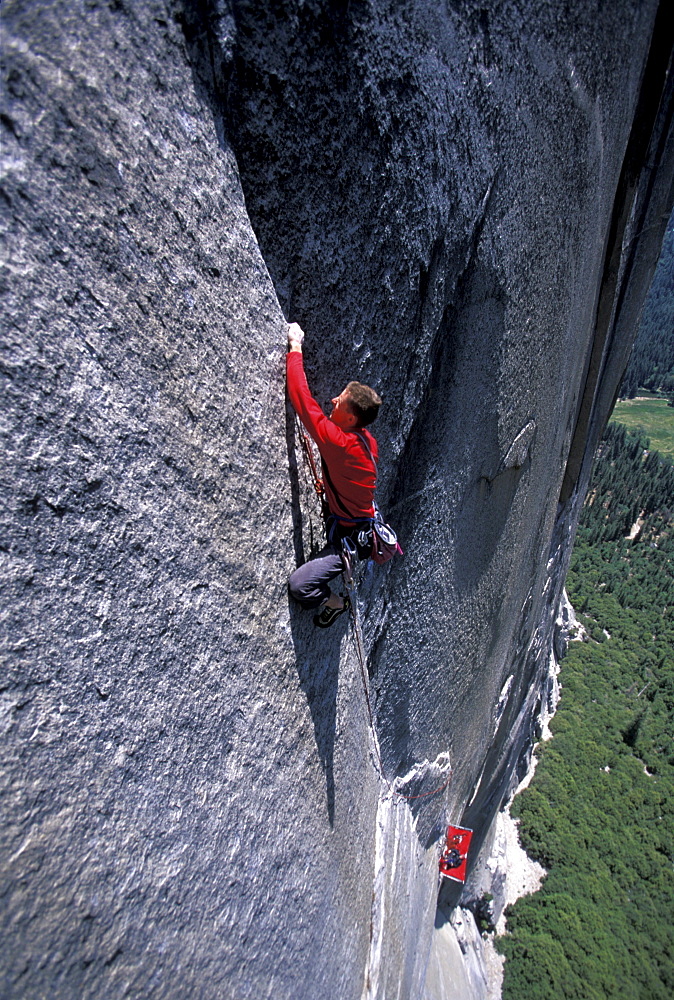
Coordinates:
column 347, row 560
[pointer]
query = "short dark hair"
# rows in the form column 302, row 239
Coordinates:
column 364, row 403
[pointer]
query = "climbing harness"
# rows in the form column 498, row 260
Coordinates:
column 349, row 555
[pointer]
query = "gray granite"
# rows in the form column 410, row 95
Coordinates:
column 455, row 202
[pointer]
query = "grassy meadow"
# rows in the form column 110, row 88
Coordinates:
column 653, row 417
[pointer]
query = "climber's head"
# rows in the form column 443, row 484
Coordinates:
column 357, row 406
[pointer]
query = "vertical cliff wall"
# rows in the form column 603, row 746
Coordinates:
column 462, row 204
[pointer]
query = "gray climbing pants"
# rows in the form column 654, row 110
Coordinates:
column 309, row 583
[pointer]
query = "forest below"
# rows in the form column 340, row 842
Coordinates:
column 599, row 814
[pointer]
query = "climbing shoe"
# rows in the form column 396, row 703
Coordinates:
column 328, row 615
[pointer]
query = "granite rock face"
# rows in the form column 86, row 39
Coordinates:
column 462, row 204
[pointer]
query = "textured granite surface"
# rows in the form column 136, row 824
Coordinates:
column 461, row 203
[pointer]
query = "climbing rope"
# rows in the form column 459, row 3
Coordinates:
column 350, row 585
column 311, row 462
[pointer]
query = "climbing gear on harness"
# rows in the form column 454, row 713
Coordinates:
column 360, row 538
column 384, row 539
column 349, row 555
column 329, row 615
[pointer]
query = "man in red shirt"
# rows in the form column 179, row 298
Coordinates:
column 349, row 459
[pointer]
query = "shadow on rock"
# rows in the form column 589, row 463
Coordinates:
column 317, row 653
column 483, row 515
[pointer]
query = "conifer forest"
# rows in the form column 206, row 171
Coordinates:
column 599, row 814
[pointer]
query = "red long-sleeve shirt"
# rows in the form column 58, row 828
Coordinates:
column 349, row 466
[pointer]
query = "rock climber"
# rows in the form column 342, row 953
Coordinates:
column 349, row 457
column 451, row 858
